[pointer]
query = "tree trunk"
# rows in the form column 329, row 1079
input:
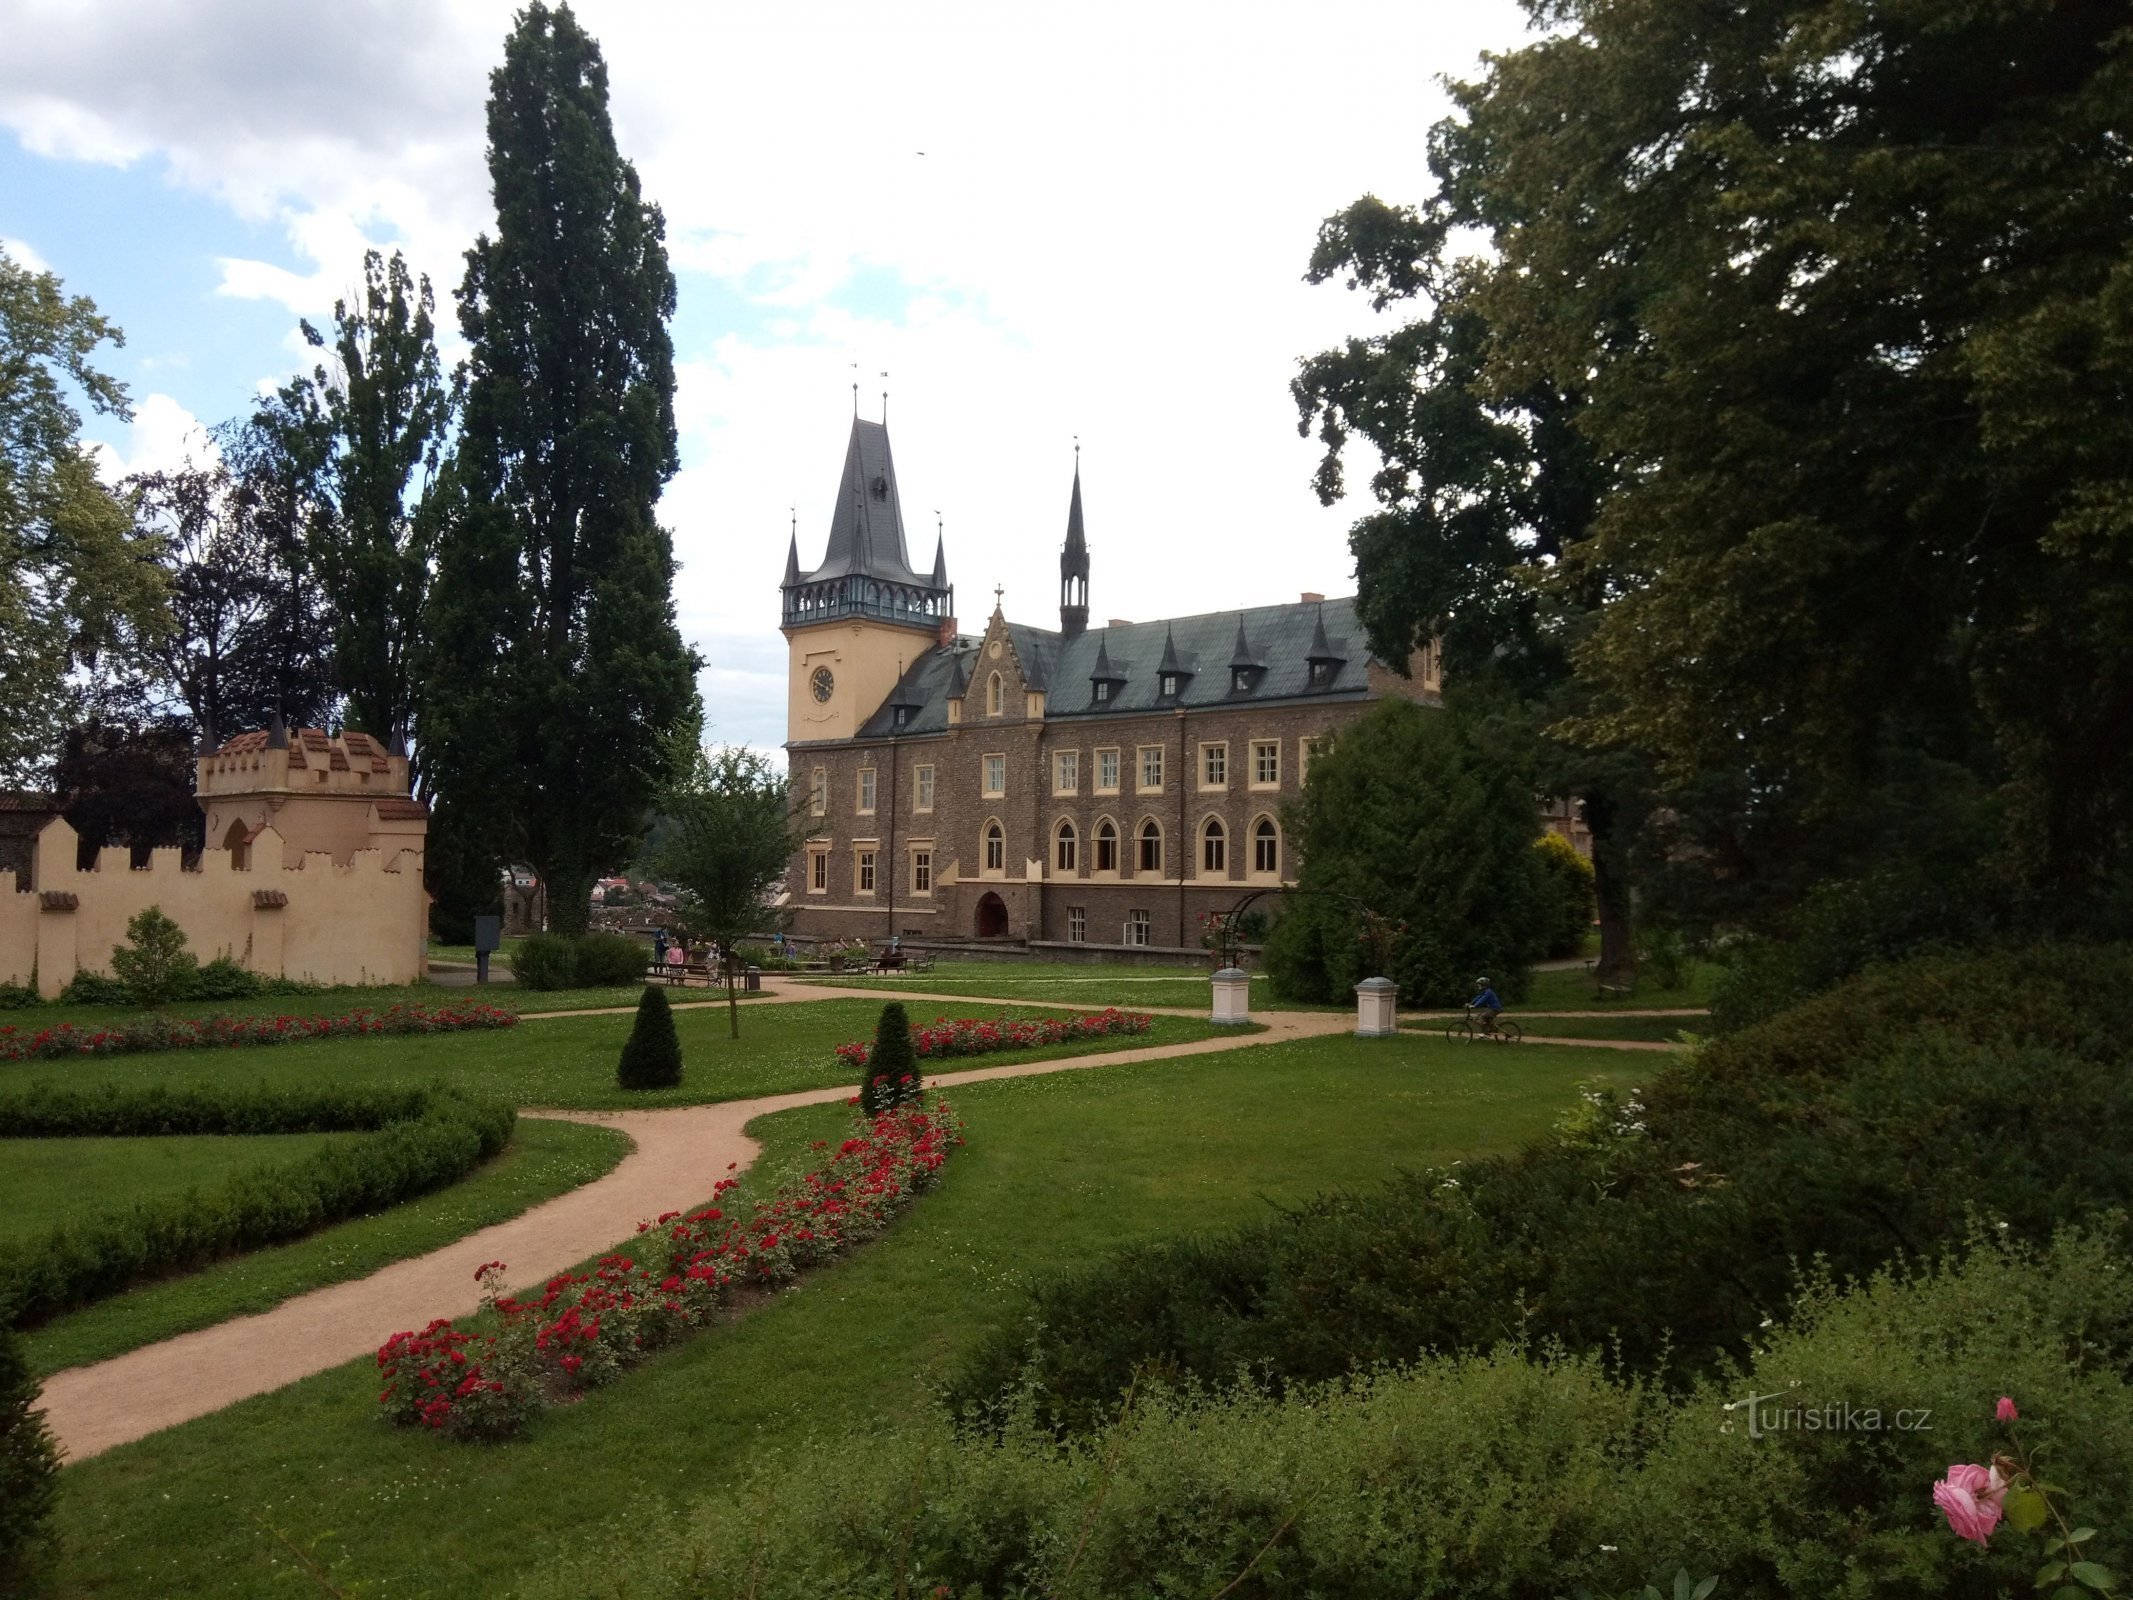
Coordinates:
column 1611, row 889
column 733, row 999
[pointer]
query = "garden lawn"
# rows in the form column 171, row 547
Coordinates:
column 334, row 1003
column 569, row 1062
column 544, row 1159
column 1076, row 982
column 50, row 1183
column 1059, row 1171
column 1659, row 1030
column 1570, row 989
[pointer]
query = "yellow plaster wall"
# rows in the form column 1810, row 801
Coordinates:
column 360, row 923
column 866, row 659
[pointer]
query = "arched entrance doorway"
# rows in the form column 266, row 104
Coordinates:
column 992, row 917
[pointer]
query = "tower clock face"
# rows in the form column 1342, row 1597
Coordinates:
column 823, row 684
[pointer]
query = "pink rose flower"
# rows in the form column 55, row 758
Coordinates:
column 2005, row 1410
column 1969, row 1496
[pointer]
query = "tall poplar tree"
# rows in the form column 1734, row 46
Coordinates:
column 556, row 676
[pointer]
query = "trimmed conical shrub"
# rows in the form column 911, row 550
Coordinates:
column 652, row 1058
column 29, row 1464
column 892, row 1065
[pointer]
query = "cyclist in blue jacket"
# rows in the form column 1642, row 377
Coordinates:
column 1486, row 1006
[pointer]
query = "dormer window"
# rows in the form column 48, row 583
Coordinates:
column 1170, row 685
column 1322, row 673
column 1241, row 679
column 1103, row 691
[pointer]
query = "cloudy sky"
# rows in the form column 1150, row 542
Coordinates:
column 1042, row 222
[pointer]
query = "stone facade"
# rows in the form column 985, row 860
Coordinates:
column 1108, row 787
column 313, row 870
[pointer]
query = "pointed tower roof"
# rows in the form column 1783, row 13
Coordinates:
column 1320, row 649
column 1074, row 558
column 940, row 561
column 1174, row 660
column 792, row 561
column 1244, row 655
column 867, row 527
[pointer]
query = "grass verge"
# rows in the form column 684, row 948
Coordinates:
column 544, row 1159
column 1060, row 1170
column 569, row 1062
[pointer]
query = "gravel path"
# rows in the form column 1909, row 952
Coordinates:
column 680, row 1152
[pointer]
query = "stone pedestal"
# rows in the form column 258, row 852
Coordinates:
column 1377, row 1009
column 1233, row 998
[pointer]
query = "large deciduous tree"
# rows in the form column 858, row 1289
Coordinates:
column 557, row 675
column 72, row 574
column 1848, row 293
column 366, row 429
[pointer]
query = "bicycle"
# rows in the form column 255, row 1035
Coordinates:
column 1466, row 1030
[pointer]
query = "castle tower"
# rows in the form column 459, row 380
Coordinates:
column 852, row 622
column 1074, row 566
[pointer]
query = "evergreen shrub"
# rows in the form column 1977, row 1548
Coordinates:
column 651, row 1057
column 1566, row 889
column 223, row 979
column 891, row 1074
column 154, row 963
column 545, row 961
column 94, row 989
column 29, row 1465
column 611, row 960
column 18, row 997
column 1869, row 1123
column 417, row 1140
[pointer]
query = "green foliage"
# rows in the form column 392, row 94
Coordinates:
column 1566, row 895
column 29, row 1464
column 423, row 1139
column 223, row 979
column 892, row 1074
column 154, row 963
column 18, row 996
column 1412, row 815
column 587, row 961
column 555, row 680
column 730, row 835
column 367, row 433
column 1870, row 1123
column 94, row 989
column 1521, row 1473
column 72, row 572
column 651, row 1059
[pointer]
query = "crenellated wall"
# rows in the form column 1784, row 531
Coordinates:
column 278, row 913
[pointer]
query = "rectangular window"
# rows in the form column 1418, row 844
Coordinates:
column 995, row 776
column 1139, row 928
column 818, row 792
column 1107, row 772
column 866, row 791
column 921, row 788
column 922, row 872
column 1151, row 768
column 1214, row 765
column 818, row 872
column 1066, row 772
column 1266, row 763
column 1077, row 924
column 866, row 872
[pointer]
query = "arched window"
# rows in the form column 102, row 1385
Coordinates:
column 1106, row 847
column 1151, row 857
column 995, row 848
column 1266, row 846
column 1214, row 847
column 992, row 695
column 1066, row 848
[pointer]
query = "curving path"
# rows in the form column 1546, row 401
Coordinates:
column 680, row 1152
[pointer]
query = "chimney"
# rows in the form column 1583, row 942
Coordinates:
column 1312, row 599
column 1120, row 622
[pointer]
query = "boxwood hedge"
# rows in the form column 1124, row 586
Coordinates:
column 420, row 1139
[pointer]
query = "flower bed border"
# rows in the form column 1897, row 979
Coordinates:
column 586, row 1329
column 65, row 1041
column 949, row 1038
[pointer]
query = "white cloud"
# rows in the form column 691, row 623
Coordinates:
column 1104, row 236
column 162, row 435
column 23, row 255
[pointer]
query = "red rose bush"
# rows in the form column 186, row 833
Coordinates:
column 585, row 1329
column 976, row 1036
column 65, row 1040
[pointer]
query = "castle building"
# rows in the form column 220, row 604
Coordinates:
column 1109, row 786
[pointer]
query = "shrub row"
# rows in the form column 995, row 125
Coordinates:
column 151, row 1033
column 1518, row 1474
column 974, row 1036
column 424, row 1139
column 585, row 1329
column 219, row 979
column 588, row 961
column 1867, row 1124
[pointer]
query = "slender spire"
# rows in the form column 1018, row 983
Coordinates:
column 1244, row 655
column 940, row 552
column 1074, row 563
column 1170, row 661
column 277, row 732
column 792, row 555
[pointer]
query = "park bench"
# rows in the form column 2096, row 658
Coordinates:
column 889, row 961
column 668, row 973
column 1609, row 991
